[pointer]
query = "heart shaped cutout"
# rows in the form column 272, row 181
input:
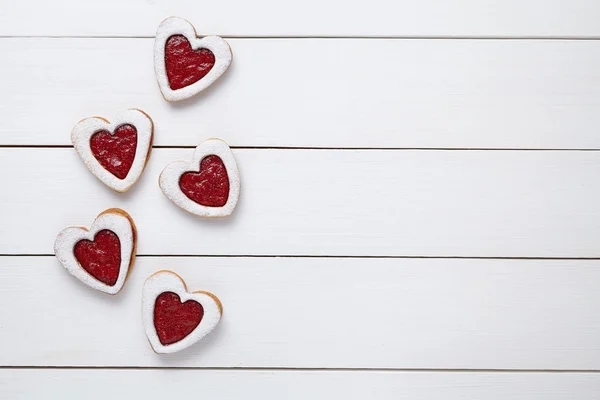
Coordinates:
column 115, row 152
column 209, row 185
column 185, row 64
column 173, row 318
column 102, row 256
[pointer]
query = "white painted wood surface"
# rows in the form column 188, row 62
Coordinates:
column 328, row 202
column 318, row 313
column 443, row 74
column 350, row 93
column 506, row 18
column 295, row 385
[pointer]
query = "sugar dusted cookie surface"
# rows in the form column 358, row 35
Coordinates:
column 209, row 185
column 115, row 151
column 173, row 318
column 185, row 64
column 102, row 256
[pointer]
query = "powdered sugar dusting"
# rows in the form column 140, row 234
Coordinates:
column 219, row 47
column 169, row 179
column 117, row 221
column 167, row 281
column 86, row 128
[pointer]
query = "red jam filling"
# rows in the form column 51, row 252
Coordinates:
column 208, row 187
column 185, row 65
column 115, row 152
column 175, row 320
column 102, row 257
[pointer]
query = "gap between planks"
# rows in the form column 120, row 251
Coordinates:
column 317, row 37
column 358, row 370
column 66, row 146
column 325, row 256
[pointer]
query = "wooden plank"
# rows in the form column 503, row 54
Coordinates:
column 328, row 202
column 409, row 94
column 507, row 18
column 18, row 384
column 318, row 313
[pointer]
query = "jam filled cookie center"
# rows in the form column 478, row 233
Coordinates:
column 175, row 320
column 208, row 187
column 101, row 258
column 115, row 152
column 184, row 65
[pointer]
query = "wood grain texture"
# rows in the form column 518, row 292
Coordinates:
column 318, row 312
column 293, row 385
column 318, row 93
column 507, row 18
column 327, row 202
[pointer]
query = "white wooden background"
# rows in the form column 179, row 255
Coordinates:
column 420, row 208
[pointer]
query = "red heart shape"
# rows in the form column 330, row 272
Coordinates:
column 115, row 152
column 175, row 320
column 102, row 257
column 208, row 187
column 185, row 65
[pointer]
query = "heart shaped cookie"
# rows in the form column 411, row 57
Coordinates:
column 102, row 256
column 209, row 185
column 174, row 318
column 116, row 151
column 185, row 64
